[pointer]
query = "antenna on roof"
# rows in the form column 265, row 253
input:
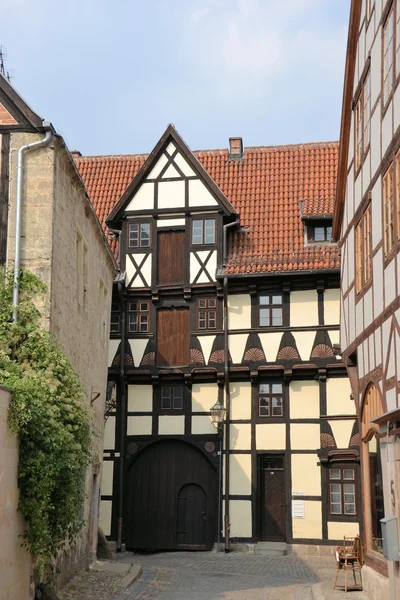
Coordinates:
column 3, row 56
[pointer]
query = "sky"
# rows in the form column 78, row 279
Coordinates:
column 110, row 75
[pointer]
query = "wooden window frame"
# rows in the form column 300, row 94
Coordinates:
column 208, row 310
column 140, row 244
column 203, row 242
column 388, row 193
column 397, row 192
column 363, row 250
column 115, row 322
column 326, row 225
column 172, row 389
column 362, row 120
column 140, row 312
column 342, row 481
column 389, row 47
column 269, row 396
column 270, row 306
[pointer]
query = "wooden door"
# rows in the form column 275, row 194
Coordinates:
column 192, row 517
column 272, row 499
column 168, row 488
column 173, row 337
column 171, row 257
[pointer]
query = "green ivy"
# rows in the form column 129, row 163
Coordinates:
column 48, row 414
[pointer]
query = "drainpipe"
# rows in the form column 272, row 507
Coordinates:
column 122, row 421
column 17, row 254
column 227, row 390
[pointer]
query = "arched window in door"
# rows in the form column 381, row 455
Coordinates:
column 372, row 469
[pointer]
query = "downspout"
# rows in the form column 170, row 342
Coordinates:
column 227, row 389
column 17, row 253
column 122, row 421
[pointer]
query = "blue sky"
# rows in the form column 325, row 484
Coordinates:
column 111, row 74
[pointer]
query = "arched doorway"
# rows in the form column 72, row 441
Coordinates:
column 170, row 500
column 372, row 468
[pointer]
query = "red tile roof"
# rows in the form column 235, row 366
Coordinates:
column 266, row 187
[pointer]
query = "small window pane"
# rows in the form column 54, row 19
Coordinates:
column 133, row 236
column 264, row 388
column 202, row 320
column 209, row 234
column 350, row 509
column 132, row 322
column 264, row 300
column 145, row 235
column 144, row 307
column 114, row 323
column 276, row 299
column 329, row 234
column 277, row 388
column 264, row 317
column 212, row 303
column 334, row 474
column 178, row 398
column 143, row 326
column 197, row 232
column 319, row 234
column 212, row 319
column 133, row 306
column 166, row 398
column 202, row 303
column 276, row 317
column 277, row 407
column 348, row 473
column 264, row 407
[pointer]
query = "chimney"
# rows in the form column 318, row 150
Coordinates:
column 76, row 153
column 235, row 148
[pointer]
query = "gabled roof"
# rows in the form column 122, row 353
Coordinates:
column 265, row 188
column 170, row 134
column 15, row 114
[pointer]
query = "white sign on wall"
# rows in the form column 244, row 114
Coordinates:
column 298, row 509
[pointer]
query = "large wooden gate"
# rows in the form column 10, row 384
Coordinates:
column 170, row 500
column 272, row 499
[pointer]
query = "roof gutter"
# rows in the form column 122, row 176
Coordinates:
column 17, row 253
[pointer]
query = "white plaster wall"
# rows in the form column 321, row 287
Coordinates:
column 338, row 400
column 105, row 516
column 109, row 434
column 311, row 526
column 107, row 475
column 239, row 311
column 390, row 283
column 202, row 425
column 170, row 425
column 240, row 400
column 342, row 432
column 158, row 167
column 368, row 310
column 199, row 194
column 169, row 222
column 204, row 396
column 112, row 350
column 184, row 165
column 237, row 344
column 304, row 308
column 304, row 343
column 378, row 283
column 375, row 139
column 332, row 306
column 306, row 474
column 270, row 343
column 206, row 343
column 140, row 398
column 387, row 128
column 240, row 518
column 304, row 399
column 140, row 425
column 143, row 199
column 171, row 194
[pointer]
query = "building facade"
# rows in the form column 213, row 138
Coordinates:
column 229, row 292
column 367, row 221
column 61, row 240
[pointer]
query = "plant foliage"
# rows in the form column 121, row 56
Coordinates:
column 48, row 414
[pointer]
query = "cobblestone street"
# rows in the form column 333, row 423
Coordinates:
column 211, row 576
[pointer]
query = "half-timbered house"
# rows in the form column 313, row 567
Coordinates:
column 367, row 221
column 229, row 292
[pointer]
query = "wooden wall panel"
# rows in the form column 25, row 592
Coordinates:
column 173, row 337
column 171, row 257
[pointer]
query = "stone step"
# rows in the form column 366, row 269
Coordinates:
column 271, row 548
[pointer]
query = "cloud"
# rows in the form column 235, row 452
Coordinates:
column 198, row 14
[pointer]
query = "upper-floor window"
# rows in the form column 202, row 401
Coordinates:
column 270, row 400
column 206, row 313
column 270, row 311
column 139, row 235
column 388, row 225
column 342, row 491
column 203, row 231
column 363, row 250
column 388, row 58
column 138, row 317
column 172, row 397
column 362, row 120
column 319, row 231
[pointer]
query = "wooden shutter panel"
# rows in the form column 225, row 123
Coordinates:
column 171, row 257
column 173, row 337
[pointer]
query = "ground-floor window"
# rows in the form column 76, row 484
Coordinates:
column 342, row 491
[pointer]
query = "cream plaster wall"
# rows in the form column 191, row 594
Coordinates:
column 109, row 434
column 239, row 311
column 15, row 561
column 105, row 516
column 338, row 400
column 199, row 194
column 304, row 436
column 304, row 399
column 338, row 530
column 237, row 344
column 171, row 425
column 332, row 306
column 143, row 199
column 140, row 398
column 240, row 437
column 271, row 436
column 107, row 475
column 202, row 425
column 171, row 194
column 184, row 165
column 342, row 432
column 140, row 425
column 169, row 222
column 311, row 526
column 137, row 346
column 306, row 474
column 206, row 343
column 304, row 308
column 240, row 518
column 240, row 474
column 204, row 396
column 240, row 400
column 304, row 343
column 270, row 343
column 112, row 350
column 158, row 167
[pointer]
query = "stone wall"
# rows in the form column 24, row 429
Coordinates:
column 15, row 562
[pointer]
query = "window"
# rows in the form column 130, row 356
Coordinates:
column 270, row 312
column 139, row 235
column 320, row 232
column 203, row 231
column 114, row 322
column 172, row 398
column 342, row 492
column 138, row 317
column 270, row 400
column 81, row 271
column 206, row 313
column 388, row 227
column 388, row 43
column 363, row 250
column 362, row 121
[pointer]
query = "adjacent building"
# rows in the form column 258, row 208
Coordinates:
column 61, row 240
column 229, row 292
column 367, row 221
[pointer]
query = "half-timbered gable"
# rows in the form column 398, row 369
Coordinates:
column 229, row 292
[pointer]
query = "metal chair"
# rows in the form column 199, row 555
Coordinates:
column 349, row 557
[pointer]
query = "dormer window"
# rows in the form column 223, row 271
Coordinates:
column 319, row 232
column 203, row 231
column 139, row 235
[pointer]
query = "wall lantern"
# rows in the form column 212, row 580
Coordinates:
column 217, row 414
